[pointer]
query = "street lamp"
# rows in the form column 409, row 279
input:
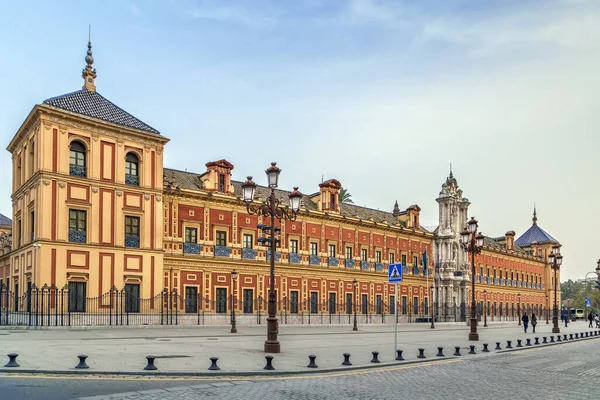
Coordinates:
column 432, row 309
column 485, row 308
column 555, row 259
column 355, row 285
column 272, row 208
column 519, row 307
column 473, row 243
column 233, row 290
column 547, row 309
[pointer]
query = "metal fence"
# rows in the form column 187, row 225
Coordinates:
column 52, row 306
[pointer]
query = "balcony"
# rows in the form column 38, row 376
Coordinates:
column 349, row 263
column 378, row 266
column 295, row 258
column 132, row 241
column 132, row 180
column 489, row 280
column 222, row 251
column 249, row 253
column 191, row 248
column 277, row 255
column 78, row 170
column 314, row 260
column 482, row 279
column 502, row 282
column 495, row 281
column 415, row 270
column 333, row 261
column 364, row 265
column 77, row 236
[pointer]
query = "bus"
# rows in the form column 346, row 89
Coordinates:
column 579, row 314
column 574, row 314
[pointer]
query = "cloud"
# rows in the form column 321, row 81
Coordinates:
column 232, row 15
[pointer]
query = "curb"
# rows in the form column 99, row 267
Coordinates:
column 537, row 346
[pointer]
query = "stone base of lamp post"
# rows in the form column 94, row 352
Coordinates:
column 272, row 345
column 473, row 335
column 555, row 328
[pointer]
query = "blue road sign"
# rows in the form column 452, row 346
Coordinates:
column 395, row 273
column 588, row 303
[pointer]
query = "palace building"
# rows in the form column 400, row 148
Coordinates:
column 95, row 210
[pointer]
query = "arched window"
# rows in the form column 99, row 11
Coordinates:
column 77, row 165
column 131, row 170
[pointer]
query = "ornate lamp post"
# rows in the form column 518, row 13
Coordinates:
column 233, row 290
column 555, row 262
column 519, row 307
column 473, row 243
column 355, row 285
column 547, row 309
column 485, row 308
column 272, row 208
column 432, row 309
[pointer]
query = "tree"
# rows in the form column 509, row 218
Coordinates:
column 344, row 197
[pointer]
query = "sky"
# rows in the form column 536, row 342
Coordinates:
column 381, row 95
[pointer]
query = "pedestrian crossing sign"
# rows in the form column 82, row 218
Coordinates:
column 395, row 273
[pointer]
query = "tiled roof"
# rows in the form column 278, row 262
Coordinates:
column 4, row 220
column 494, row 243
column 191, row 181
column 92, row 104
column 534, row 234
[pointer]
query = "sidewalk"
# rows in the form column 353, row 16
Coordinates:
column 187, row 350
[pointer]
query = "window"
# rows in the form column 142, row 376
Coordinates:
column 348, row 253
column 494, row 274
column 332, row 250
column 392, row 304
column 314, row 302
column 415, row 305
column 248, row 301
column 77, row 296
column 403, row 305
column 247, row 241
column 294, row 246
column 18, row 233
column 501, row 275
column 221, row 303
column 391, row 258
column 378, row 256
column 415, row 261
column 314, row 248
column 348, row 303
column 132, row 298
column 191, row 299
column 131, row 170
column 480, row 271
column 32, row 225
column 379, row 304
column 132, row 231
column 191, row 235
column 332, row 303
column 221, row 183
column 332, row 201
column 403, row 259
column 77, row 166
column 488, row 272
column 77, row 226
column 294, row 302
column 365, row 304
column 363, row 254
column 426, row 306
column 16, row 297
column 221, row 239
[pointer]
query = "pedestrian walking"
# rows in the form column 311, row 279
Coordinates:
column 533, row 322
column 597, row 320
column 525, row 320
column 590, row 318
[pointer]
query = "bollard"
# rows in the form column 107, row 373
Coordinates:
column 213, row 364
column 472, row 351
column 581, row 335
column 375, row 358
column 311, row 362
column 12, row 360
column 82, row 364
column 544, row 341
column 508, row 344
column 586, row 334
column 346, row 359
column 150, row 366
column 399, row 355
column 519, row 343
column 570, row 336
column 551, row 339
column 498, row 346
column 537, row 340
column 269, row 366
column 577, row 336
column 457, row 351
column 558, row 339
column 421, row 353
column 485, row 348
column 440, row 352
column 528, row 342
column 565, row 337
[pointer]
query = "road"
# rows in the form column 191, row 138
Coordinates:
column 566, row 371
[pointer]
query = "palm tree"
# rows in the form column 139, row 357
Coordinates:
column 344, row 197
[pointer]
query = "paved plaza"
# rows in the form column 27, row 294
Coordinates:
column 187, row 350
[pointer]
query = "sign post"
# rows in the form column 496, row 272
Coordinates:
column 395, row 276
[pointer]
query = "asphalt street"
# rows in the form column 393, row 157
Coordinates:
column 566, row 371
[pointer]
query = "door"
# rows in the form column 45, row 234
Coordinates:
column 221, row 302
column 191, row 299
column 348, row 303
column 392, row 304
column 314, row 302
column 248, row 301
column 365, row 304
column 294, row 302
column 132, row 297
column 332, row 303
column 77, row 292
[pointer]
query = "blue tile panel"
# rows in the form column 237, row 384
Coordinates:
column 277, row 255
column 378, row 267
column 295, row 258
column 333, row 261
column 364, row 265
column 191, row 248
column 222, row 251
column 77, row 236
column 132, row 241
column 314, row 260
column 92, row 104
column 249, row 253
column 349, row 263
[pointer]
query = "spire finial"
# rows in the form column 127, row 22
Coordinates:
column 89, row 73
column 451, row 171
column 396, row 210
column 534, row 219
